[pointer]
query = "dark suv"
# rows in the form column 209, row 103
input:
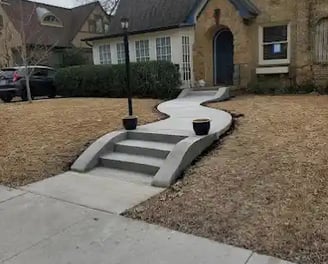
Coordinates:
column 13, row 83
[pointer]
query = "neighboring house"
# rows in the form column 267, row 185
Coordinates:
column 240, row 42
column 42, row 27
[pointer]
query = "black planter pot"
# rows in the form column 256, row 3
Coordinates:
column 130, row 122
column 202, row 126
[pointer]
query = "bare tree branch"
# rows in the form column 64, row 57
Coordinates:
column 109, row 5
column 33, row 47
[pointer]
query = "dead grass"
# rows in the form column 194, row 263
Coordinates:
column 265, row 187
column 42, row 139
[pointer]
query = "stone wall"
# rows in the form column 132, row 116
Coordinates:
column 302, row 16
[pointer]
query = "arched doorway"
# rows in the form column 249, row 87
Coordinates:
column 223, row 57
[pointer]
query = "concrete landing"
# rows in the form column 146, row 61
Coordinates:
column 103, row 192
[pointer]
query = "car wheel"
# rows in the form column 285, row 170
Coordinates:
column 52, row 93
column 7, row 98
column 24, row 95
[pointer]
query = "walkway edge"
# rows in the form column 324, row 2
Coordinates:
column 89, row 158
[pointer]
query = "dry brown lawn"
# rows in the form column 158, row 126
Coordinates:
column 265, row 187
column 42, row 139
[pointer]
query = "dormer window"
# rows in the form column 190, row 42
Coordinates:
column 47, row 18
column 51, row 19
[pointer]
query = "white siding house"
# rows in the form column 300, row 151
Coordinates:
column 158, row 30
column 174, row 45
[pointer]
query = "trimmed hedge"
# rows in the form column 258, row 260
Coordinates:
column 154, row 79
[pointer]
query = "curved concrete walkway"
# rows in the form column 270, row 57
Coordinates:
column 162, row 150
column 188, row 107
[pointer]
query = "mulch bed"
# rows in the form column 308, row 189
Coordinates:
column 264, row 188
column 42, row 139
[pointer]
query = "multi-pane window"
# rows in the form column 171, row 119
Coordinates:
column 105, row 54
column 274, row 42
column 321, row 41
column 120, row 53
column 163, row 48
column 186, row 63
column 142, row 50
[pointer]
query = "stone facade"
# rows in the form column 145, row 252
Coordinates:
column 301, row 15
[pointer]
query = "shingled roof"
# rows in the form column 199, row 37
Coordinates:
column 153, row 15
column 72, row 20
column 246, row 8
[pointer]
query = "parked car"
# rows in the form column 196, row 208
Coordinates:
column 13, row 82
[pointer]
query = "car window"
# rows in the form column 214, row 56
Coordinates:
column 37, row 72
column 51, row 73
column 7, row 73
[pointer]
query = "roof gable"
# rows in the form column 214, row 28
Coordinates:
column 36, row 33
column 148, row 15
column 246, row 8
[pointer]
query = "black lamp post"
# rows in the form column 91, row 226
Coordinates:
column 131, row 121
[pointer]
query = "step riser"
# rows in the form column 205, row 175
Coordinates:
column 162, row 154
column 129, row 166
column 155, row 137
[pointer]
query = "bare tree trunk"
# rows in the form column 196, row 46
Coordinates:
column 27, row 82
column 24, row 56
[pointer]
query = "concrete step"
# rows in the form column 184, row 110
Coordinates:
column 129, row 162
column 207, row 88
column 128, row 176
column 145, row 148
column 146, row 136
column 202, row 93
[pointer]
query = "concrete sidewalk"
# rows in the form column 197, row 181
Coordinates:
column 35, row 229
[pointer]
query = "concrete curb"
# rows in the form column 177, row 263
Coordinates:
column 183, row 154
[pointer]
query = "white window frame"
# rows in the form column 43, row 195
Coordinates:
column 105, row 57
column 186, row 71
column 321, row 41
column 262, row 61
column 161, row 50
column 120, row 51
column 142, row 50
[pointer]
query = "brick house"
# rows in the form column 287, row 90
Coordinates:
column 45, row 26
column 232, row 42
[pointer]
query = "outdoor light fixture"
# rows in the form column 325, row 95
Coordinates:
column 124, row 23
column 130, row 122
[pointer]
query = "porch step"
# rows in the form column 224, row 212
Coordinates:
column 123, row 175
column 155, row 137
column 130, row 162
column 209, row 88
column 203, row 93
column 145, row 148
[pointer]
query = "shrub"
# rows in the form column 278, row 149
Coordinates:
column 74, row 56
column 275, row 86
column 155, row 79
